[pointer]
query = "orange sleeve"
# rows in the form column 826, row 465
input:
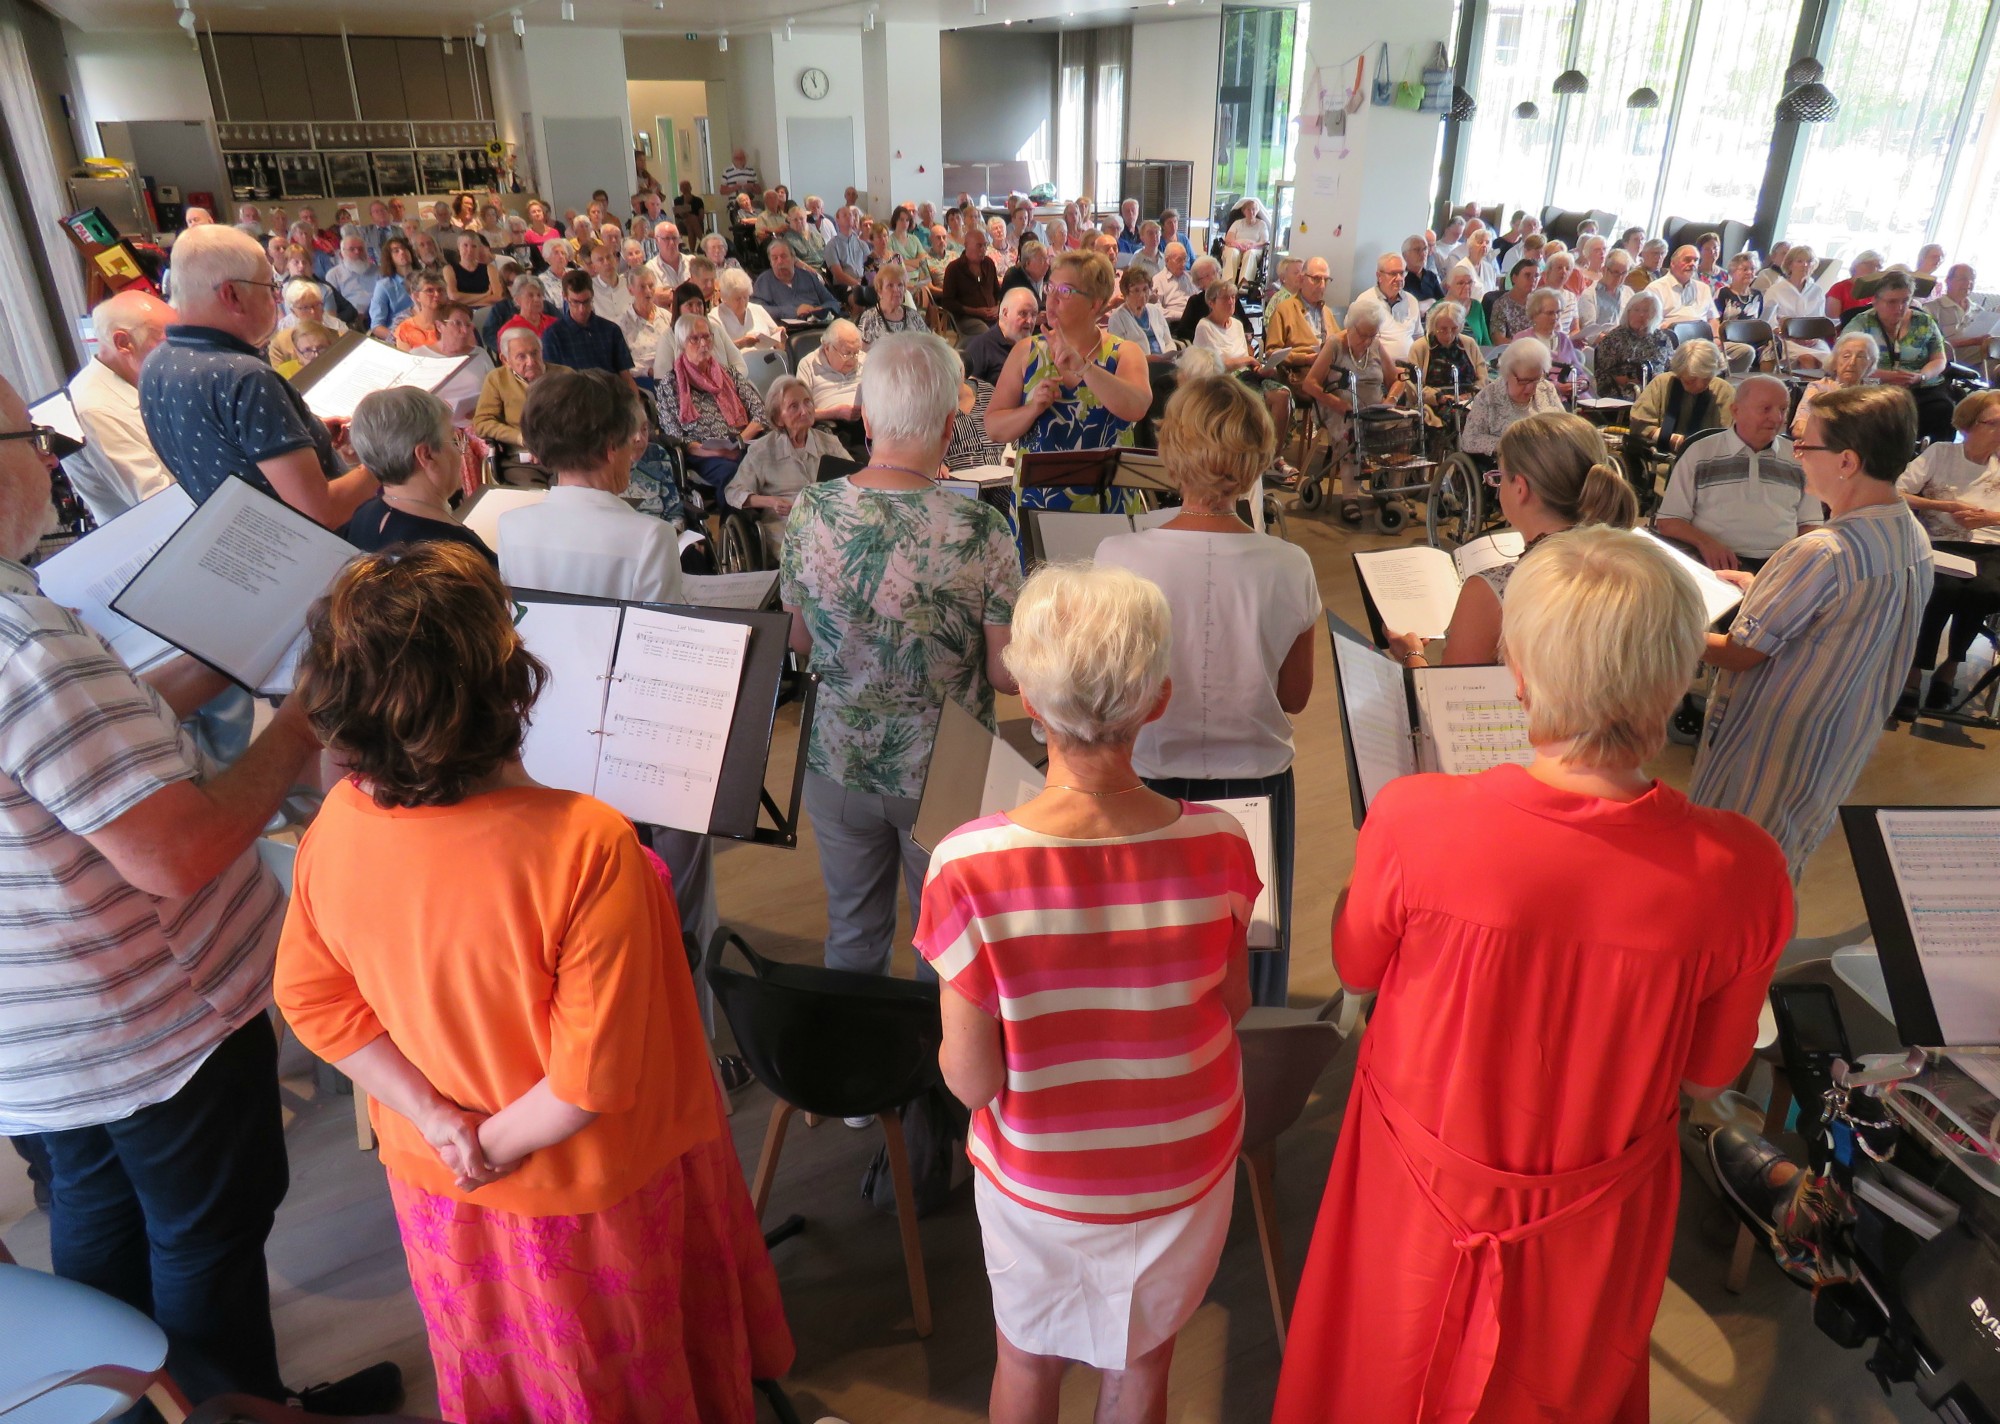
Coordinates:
column 610, row 988
column 315, row 989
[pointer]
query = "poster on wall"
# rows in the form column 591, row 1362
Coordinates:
column 438, row 168
column 348, row 175
column 395, row 172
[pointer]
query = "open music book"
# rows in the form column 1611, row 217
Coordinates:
column 1397, row 721
column 355, row 365
column 87, row 575
column 1718, row 595
column 233, row 583
column 1415, row 590
column 638, row 705
column 973, row 774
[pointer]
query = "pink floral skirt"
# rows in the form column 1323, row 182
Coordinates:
column 661, row 1308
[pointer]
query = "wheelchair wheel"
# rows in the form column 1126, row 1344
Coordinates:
column 1391, row 515
column 741, row 548
column 1454, row 513
column 1274, row 516
column 1312, row 493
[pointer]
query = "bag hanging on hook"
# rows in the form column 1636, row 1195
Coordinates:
column 1410, row 93
column 1385, row 83
column 1438, row 79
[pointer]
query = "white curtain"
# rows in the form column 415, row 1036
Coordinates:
column 31, row 242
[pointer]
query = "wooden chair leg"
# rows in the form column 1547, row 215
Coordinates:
column 721, row 1089
column 364, row 1130
column 906, row 1217
column 1260, row 1166
column 767, row 1160
column 167, row 1398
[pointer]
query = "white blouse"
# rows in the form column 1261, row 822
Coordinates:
column 1229, row 343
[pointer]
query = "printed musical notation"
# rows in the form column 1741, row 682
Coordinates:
column 667, row 715
column 1474, row 720
column 1947, row 866
column 682, row 694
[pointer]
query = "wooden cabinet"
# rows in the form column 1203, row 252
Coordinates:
column 253, row 78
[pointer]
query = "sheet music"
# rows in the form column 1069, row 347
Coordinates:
column 1954, row 565
column 1472, row 720
column 666, row 721
column 1490, row 551
column 1415, row 589
column 1010, row 779
column 1378, row 716
column 748, row 591
column 575, row 642
column 1068, row 536
column 234, row 583
column 1718, row 596
column 482, row 514
column 59, row 414
column 1254, row 813
column 371, row 365
column 87, row 575
column 1947, row 866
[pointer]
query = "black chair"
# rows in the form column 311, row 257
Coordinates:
column 801, row 342
column 1685, row 331
column 1748, row 331
column 1486, row 305
column 834, row 1044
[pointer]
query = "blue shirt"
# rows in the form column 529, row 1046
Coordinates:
column 1129, row 242
column 599, row 346
column 214, row 408
column 357, row 287
column 783, row 301
column 373, row 237
column 390, row 303
column 847, row 251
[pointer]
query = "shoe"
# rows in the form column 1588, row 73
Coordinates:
column 733, row 1071
column 1742, row 1162
column 857, row 1123
column 375, row 1390
column 1906, row 708
column 1940, row 695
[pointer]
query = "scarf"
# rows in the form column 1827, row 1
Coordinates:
column 713, row 379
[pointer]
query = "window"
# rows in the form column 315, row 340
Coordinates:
column 1966, row 224
column 1726, row 117
column 1871, row 176
column 1253, row 112
column 1507, row 159
column 1072, row 118
column 1609, row 155
column 1507, row 37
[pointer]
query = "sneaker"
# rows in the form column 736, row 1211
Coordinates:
column 857, row 1123
column 375, row 1390
column 1746, row 1168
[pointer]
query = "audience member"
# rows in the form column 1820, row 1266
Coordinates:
column 1816, row 655
column 970, row 294
column 986, row 354
column 1912, row 352
column 923, row 618
column 1508, row 317
column 1175, row 285
column 1245, row 241
column 117, row 467
column 707, row 407
column 1954, row 309
column 530, row 309
column 1449, row 361
column 1300, row 327
column 779, row 464
column 1633, row 352
column 580, row 339
column 645, row 325
column 469, row 278
column 1689, row 399
column 1401, row 318
column 892, row 312
column 790, row 291
column 557, row 256
column 496, row 419
column 1478, row 909
column 1954, row 486
column 1841, row 302
column 1142, row 890
column 1738, row 496
column 355, row 274
column 1524, row 389
column 1137, row 318
column 420, row 327
column 499, row 966
column 1462, row 290
column 1419, row 282
column 832, row 373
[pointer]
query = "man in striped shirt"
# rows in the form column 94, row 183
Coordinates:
column 139, row 934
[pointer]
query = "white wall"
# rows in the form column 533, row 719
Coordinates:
column 507, row 74
column 126, row 76
column 754, row 104
column 650, row 58
column 573, row 73
column 1170, row 111
column 840, row 56
column 683, row 101
column 905, row 138
column 1360, row 195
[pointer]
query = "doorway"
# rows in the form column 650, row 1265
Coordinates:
column 667, row 160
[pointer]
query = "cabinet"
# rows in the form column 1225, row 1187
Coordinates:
column 281, row 78
column 1158, row 184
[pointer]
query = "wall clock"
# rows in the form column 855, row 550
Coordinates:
column 813, row 84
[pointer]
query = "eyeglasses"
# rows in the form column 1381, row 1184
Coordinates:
column 272, row 287
column 1064, row 289
column 1800, row 447
column 42, row 437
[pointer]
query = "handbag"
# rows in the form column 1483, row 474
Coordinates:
column 1409, row 93
column 1385, row 86
column 1438, row 80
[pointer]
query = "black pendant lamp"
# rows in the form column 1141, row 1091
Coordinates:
column 1804, row 70
column 1463, row 105
column 1810, row 103
column 1643, row 97
column 1527, row 109
column 1572, row 81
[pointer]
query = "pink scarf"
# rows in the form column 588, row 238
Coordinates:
column 713, row 379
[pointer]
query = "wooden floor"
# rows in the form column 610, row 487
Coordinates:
column 341, row 1297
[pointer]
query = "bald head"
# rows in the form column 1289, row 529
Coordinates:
column 1017, row 313
column 126, row 327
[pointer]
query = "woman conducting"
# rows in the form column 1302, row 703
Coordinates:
column 900, row 594
column 1493, row 1243
column 1554, row 474
column 499, row 966
column 1819, row 648
column 1074, row 386
column 1244, row 611
column 1105, row 1128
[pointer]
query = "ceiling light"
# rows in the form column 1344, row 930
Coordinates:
column 1811, row 103
column 1644, row 97
column 1572, row 81
column 479, row 35
column 788, row 29
column 722, row 42
column 569, row 10
column 1804, row 70
column 1527, row 109
column 520, row 24
column 447, row 43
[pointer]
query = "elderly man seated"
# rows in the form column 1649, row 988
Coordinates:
column 1957, row 312
column 1738, row 495
column 1419, row 281
column 496, row 419
column 985, row 355
column 117, row 467
column 1402, row 320
column 833, row 377
column 1175, row 286
column 970, row 293
column 1301, row 326
column 354, row 274
column 790, row 290
column 1683, row 295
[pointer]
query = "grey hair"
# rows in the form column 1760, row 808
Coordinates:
column 520, row 285
column 297, row 288
column 1365, row 315
column 1461, row 268
column 390, row 424
column 203, row 258
column 1868, row 346
column 1653, row 321
column 562, row 245
column 348, row 230
column 690, row 325
column 1196, row 363
column 909, row 387
column 1525, row 351
column 1699, row 357
column 1543, row 297
column 731, row 280
column 1204, row 262
column 844, row 329
column 782, row 387
column 1090, row 649
column 507, row 334
column 1653, row 244
column 1439, row 311
column 124, row 311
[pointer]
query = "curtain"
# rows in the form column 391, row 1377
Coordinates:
column 39, row 270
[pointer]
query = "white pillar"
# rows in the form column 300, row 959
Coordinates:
column 899, row 66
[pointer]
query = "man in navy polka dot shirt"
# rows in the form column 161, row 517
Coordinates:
column 213, row 406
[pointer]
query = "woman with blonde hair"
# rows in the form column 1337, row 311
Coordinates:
column 1553, row 474
column 1494, row 1239
column 1104, row 1136
column 1245, row 608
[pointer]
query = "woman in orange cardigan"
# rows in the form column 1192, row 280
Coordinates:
column 498, row 965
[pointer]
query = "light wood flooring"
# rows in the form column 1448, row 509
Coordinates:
column 341, row 1296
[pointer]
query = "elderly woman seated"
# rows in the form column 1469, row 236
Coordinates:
column 1450, row 361
column 1222, row 331
column 893, row 310
column 833, row 375
column 1461, row 288
column 1841, row 302
column 1634, row 351
column 1691, row 397
column 1853, row 363
column 747, row 324
column 403, row 436
column 1545, row 325
column 1524, row 389
column 1954, row 487
column 1509, row 317
column 496, row 419
column 780, row 464
column 706, row 407
column 305, row 301
column 1095, row 880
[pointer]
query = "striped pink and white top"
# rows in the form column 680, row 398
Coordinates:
column 1104, row 961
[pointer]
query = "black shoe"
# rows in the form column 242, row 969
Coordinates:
column 375, row 1390
column 1940, row 695
column 733, row 1071
column 1905, row 709
column 1742, row 1162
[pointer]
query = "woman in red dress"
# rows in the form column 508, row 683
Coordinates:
column 1560, row 949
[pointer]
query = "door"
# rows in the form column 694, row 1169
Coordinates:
column 704, row 159
column 666, row 155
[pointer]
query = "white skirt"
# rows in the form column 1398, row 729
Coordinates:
column 1101, row 1294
